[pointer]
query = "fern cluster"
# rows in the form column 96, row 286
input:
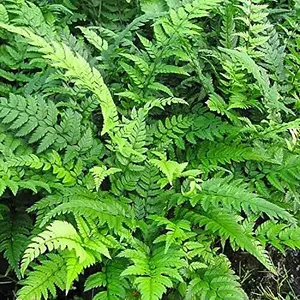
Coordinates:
column 138, row 139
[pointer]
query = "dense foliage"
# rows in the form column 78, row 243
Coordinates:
column 141, row 138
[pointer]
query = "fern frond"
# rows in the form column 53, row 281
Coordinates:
column 171, row 169
column 211, row 154
column 278, row 235
column 153, row 273
column 220, row 221
column 218, row 280
column 14, row 238
column 143, row 146
column 58, row 235
column 94, row 38
column 44, row 278
column 216, row 192
column 107, row 211
column 286, row 174
column 116, row 286
column 3, row 14
column 99, row 174
column 228, row 27
column 270, row 93
column 77, row 69
column 74, row 267
column 177, row 231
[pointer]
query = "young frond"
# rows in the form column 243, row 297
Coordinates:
column 58, row 235
column 99, row 174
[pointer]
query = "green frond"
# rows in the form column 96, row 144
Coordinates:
column 3, row 14
column 37, row 119
column 93, row 38
column 222, row 222
column 286, row 174
column 148, row 189
column 173, row 128
column 142, row 142
column 270, row 93
column 215, row 193
column 153, row 273
column 74, row 267
column 176, row 231
column 45, row 277
column 53, row 161
column 218, row 280
column 171, row 169
column 58, row 235
column 116, row 286
column 278, row 235
column 212, row 154
column 99, row 174
column 77, row 69
column 228, row 27
column 14, row 238
column 106, row 211
column 11, row 179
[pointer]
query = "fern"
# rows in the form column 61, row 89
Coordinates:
column 143, row 142
column 153, row 273
column 221, row 222
column 59, row 235
column 30, row 116
column 285, row 174
column 215, row 192
column 254, row 20
column 4, row 14
column 14, row 235
column 217, row 281
column 61, row 56
column 228, row 27
column 77, row 257
column 271, row 97
column 44, row 279
column 116, row 286
column 113, row 214
column 99, row 174
column 278, row 235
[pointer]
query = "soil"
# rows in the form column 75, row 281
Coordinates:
column 260, row 284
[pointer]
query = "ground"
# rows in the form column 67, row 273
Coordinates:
column 260, row 284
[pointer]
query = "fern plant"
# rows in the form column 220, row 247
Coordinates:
column 140, row 140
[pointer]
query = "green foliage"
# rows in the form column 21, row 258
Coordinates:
column 153, row 272
column 41, row 282
column 117, row 287
column 217, row 281
column 224, row 224
column 13, row 235
column 140, row 140
column 278, row 235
